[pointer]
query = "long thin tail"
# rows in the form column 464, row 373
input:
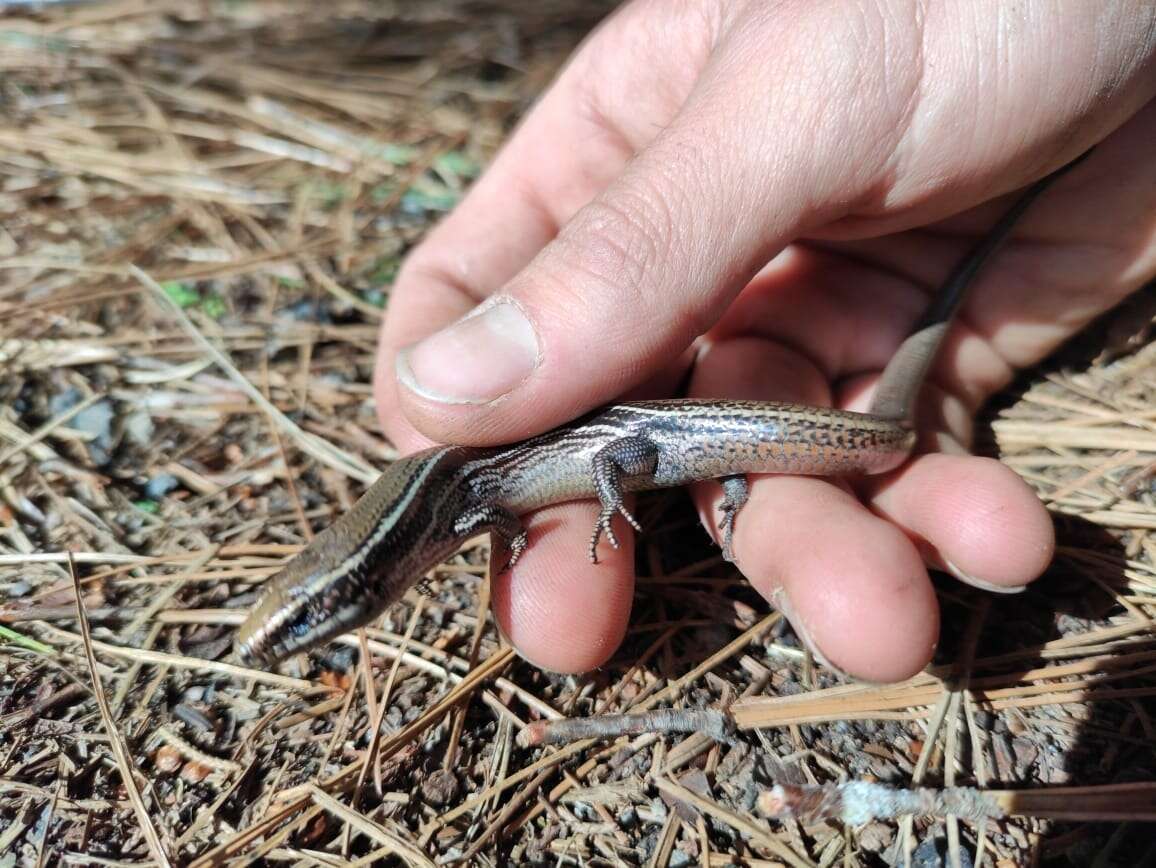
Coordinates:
column 902, row 378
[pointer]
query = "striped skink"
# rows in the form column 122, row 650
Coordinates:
column 426, row 505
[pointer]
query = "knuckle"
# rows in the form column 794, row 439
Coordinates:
column 629, row 239
column 622, row 238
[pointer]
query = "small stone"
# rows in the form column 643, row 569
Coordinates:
column 195, row 772
column 440, row 788
column 64, row 401
column 876, row 836
column 139, row 428
column 584, row 812
column 160, row 485
column 932, row 853
column 96, row 422
column 167, row 759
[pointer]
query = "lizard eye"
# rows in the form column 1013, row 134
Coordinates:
column 303, row 619
column 300, row 625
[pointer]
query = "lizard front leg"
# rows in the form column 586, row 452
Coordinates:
column 499, row 521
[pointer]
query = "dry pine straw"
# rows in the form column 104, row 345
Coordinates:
column 183, row 428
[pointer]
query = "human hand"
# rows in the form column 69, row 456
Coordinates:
column 636, row 209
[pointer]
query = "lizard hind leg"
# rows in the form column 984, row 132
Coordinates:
column 614, row 462
column 735, row 494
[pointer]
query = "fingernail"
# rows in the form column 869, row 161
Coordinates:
column 781, row 602
column 969, row 579
column 476, row 360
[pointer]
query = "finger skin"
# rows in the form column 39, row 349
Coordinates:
column 560, row 611
column 853, row 585
column 534, row 187
column 849, row 140
column 853, row 581
column 973, row 517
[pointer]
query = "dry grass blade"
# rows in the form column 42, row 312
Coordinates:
column 47, row 428
column 186, row 662
column 749, row 828
column 1121, row 802
column 405, row 850
column 115, row 741
column 320, row 449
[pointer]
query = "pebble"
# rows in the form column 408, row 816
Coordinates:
column 96, row 422
column 932, row 853
column 160, row 485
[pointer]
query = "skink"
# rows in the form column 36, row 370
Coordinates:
column 426, row 505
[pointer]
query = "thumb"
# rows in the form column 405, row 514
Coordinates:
column 652, row 261
column 625, row 287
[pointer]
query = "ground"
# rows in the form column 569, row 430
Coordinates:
column 183, row 429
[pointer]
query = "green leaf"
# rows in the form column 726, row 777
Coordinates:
column 457, row 163
column 427, row 195
column 384, row 270
column 214, row 306
column 181, row 294
column 24, row 641
column 375, row 297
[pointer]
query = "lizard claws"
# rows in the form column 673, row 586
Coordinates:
column 604, row 525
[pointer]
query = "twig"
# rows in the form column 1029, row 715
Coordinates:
column 179, row 660
column 858, row 802
column 194, row 753
column 48, row 427
column 508, row 810
column 376, row 716
column 716, row 724
column 400, row 848
column 756, row 833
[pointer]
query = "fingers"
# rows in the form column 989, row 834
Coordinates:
column 667, row 212
column 560, row 611
column 853, row 582
column 853, row 586
column 691, row 187
column 973, row 517
column 627, row 284
column 465, row 258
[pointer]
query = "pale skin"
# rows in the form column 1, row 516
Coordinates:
column 623, row 235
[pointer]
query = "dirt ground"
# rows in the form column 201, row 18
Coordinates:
column 169, row 436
